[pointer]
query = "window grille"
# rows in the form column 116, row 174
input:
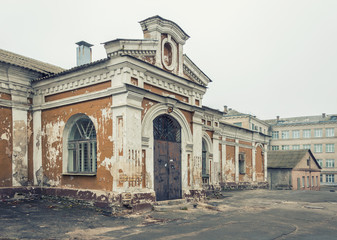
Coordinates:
column 82, row 147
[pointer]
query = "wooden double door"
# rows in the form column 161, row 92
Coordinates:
column 167, row 158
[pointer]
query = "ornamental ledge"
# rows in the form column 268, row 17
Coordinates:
column 16, row 87
column 133, row 52
column 79, row 83
column 191, row 74
column 172, row 87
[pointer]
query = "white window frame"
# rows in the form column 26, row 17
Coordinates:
column 329, row 178
column 306, row 133
column 285, row 147
column 275, row 134
column 318, row 132
column 329, row 132
column 285, row 134
column 275, row 148
column 305, row 146
column 318, row 148
column 296, row 147
column 330, row 147
column 296, row 134
column 329, row 163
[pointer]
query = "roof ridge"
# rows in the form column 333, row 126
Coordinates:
column 28, row 62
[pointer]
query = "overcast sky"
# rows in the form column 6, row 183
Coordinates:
column 265, row 57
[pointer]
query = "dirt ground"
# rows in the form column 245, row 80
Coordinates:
column 253, row 214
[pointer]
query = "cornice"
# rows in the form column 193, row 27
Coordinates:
column 192, row 75
column 73, row 83
column 133, row 52
column 16, row 88
column 81, row 98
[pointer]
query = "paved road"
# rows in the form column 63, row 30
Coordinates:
column 256, row 214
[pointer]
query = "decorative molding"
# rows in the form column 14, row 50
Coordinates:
column 16, row 88
column 66, row 85
column 192, row 75
column 79, row 98
column 133, row 53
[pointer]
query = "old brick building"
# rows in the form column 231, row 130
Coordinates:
column 129, row 128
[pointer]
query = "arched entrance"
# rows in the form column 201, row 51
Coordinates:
column 167, row 158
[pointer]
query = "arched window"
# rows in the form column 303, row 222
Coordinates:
column 82, row 147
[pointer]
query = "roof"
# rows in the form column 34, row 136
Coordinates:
column 28, row 63
column 303, row 120
column 71, row 70
column 287, row 159
column 232, row 112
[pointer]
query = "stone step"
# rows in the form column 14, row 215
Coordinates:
column 170, row 202
column 168, row 208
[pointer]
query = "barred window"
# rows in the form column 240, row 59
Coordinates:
column 242, row 163
column 82, row 147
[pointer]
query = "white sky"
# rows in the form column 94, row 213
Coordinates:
column 265, row 57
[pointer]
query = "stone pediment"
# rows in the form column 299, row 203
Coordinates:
column 192, row 72
column 162, row 47
column 154, row 26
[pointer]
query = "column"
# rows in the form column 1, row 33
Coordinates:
column 236, row 160
column 223, row 160
column 265, row 162
column 254, row 161
column 37, row 148
column 20, row 147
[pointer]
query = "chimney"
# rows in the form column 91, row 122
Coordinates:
column 225, row 109
column 278, row 118
column 323, row 115
column 83, row 53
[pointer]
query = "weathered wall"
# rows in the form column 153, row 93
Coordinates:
column 146, row 105
column 248, row 176
column 259, row 165
column 20, row 148
column 230, row 164
column 30, row 148
column 79, row 91
column 165, row 92
column 5, row 147
column 313, row 185
column 53, row 123
column 280, row 179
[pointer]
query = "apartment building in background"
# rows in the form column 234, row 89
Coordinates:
column 317, row 133
column 245, row 120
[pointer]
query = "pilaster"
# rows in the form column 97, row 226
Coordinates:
column 236, row 160
column 254, row 161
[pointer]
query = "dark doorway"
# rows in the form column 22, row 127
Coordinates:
column 205, row 171
column 167, row 158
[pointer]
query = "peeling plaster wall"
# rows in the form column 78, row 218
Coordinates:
column 230, row 164
column 248, row 176
column 53, row 124
column 259, row 165
column 5, row 147
column 146, row 105
column 20, row 148
column 165, row 93
column 30, row 148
